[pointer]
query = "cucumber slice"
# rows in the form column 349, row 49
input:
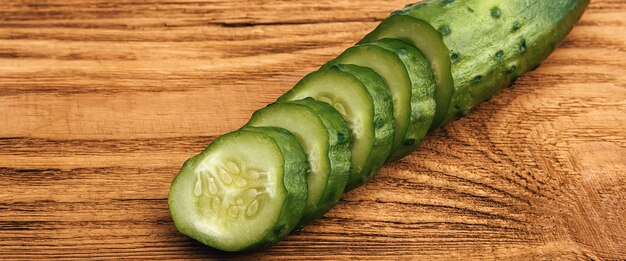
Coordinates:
column 423, row 36
column 410, row 80
column 362, row 97
column 325, row 137
column 494, row 42
column 246, row 190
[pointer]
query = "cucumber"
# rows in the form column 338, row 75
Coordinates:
column 325, row 137
column 410, row 81
column 250, row 188
column 423, row 36
column 492, row 43
column 363, row 98
column 246, row 190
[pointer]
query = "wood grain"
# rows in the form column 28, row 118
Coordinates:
column 102, row 101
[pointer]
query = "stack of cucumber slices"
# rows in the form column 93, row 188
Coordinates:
column 423, row 66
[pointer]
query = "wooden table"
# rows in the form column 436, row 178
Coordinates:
column 101, row 102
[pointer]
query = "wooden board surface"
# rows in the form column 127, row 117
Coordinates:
column 101, row 102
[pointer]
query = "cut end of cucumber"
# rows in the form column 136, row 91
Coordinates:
column 231, row 195
column 224, row 186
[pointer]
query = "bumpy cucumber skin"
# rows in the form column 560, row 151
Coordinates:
column 339, row 154
column 294, row 178
column 505, row 40
column 296, row 169
column 383, row 121
column 423, row 90
column 431, row 44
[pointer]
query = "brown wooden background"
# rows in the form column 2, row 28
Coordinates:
column 101, row 102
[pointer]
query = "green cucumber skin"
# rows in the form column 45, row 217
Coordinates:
column 295, row 171
column 504, row 41
column 383, row 124
column 382, row 106
column 431, row 44
column 400, row 132
column 339, row 155
column 423, row 90
column 339, row 149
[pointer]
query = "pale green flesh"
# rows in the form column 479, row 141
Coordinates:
column 311, row 134
column 231, row 194
column 429, row 42
column 350, row 99
column 392, row 70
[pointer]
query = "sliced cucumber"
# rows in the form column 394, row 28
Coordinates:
column 325, row 137
column 246, row 190
column 423, row 36
column 493, row 42
column 363, row 98
column 410, row 80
